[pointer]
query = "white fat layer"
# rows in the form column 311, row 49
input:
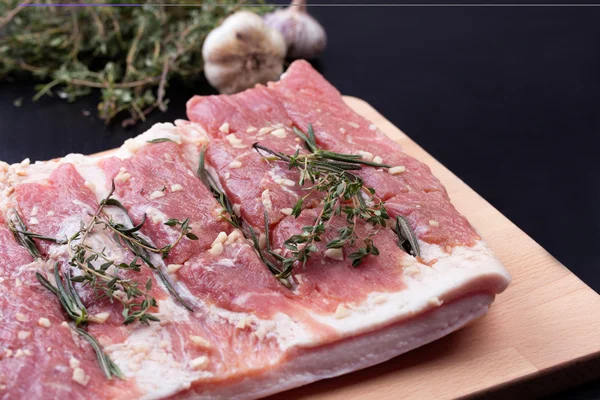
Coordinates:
column 147, row 356
column 465, row 270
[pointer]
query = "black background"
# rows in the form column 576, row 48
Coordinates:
column 506, row 97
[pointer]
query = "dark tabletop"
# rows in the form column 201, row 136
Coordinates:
column 507, row 98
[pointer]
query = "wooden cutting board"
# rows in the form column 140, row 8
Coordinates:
column 541, row 335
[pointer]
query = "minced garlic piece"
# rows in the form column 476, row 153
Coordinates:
column 172, row 268
column 235, row 164
column 74, row 363
column 365, row 155
column 353, row 124
column 224, row 128
column 22, row 335
column 435, row 301
column 234, row 141
column 21, row 317
column 217, row 249
column 80, row 377
column 251, row 129
column 265, row 130
column 199, row 341
column 101, row 318
column 377, row 160
column 199, row 362
column 176, row 187
column 341, row 311
column 35, row 210
column 434, row 223
column 237, row 210
column 397, row 170
column 279, row 133
column 233, row 236
column 335, row 254
column 33, row 221
column 342, row 130
column 286, row 211
column 157, row 194
column 45, row 322
column 221, row 238
column 122, row 176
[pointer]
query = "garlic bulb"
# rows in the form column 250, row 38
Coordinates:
column 304, row 35
column 242, row 52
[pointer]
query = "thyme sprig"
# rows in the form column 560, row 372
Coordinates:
column 343, row 193
column 129, row 55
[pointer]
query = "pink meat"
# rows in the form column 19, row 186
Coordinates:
column 325, row 283
column 417, row 194
column 34, row 360
column 245, row 114
column 158, row 168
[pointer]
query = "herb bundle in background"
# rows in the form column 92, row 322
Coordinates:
column 128, row 53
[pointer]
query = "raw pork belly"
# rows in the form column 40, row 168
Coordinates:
column 247, row 335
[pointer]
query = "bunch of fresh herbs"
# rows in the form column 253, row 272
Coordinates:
column 129, row 54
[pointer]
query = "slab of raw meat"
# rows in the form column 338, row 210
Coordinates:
column 246, row 335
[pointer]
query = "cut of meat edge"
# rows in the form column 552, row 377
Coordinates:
column 340, row 358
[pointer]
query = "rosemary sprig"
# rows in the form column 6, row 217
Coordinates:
column 217, row 193
column 160, row 140
column 73, row 306
column 407, row 240
column 19, row 231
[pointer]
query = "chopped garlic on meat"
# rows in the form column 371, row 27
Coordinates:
column 22, row 335
column 80, row 377
column 377, row 160
column 234, row 141
column 74, row 363
column 397, row 170
column 372, row 127
column 342, row 130
column 21, row 317
column 199, row 341
column 199, row 362
column 217, row 249
column 122, row 176
column 251, row 129
column 34, row 211
column 434, row 223
column 157, row 194
column 221, row 238
column 341, row 311
column 365, row 155
column 176, row 187
column 172, row 268
column 101, row 318
column 33, row 221
column 279, row 133
column 353, row 124
column 45, row 322
column 224, row 128
column 435, row 301
column 235, row 164
column 233, row 236
column 335, row 254
column 237, row 210
column 286, row 211
column 265, row 130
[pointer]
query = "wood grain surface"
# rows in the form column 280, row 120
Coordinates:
column 543, row 330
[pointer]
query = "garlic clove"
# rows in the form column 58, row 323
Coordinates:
column 304, row 36
column 242, row 52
